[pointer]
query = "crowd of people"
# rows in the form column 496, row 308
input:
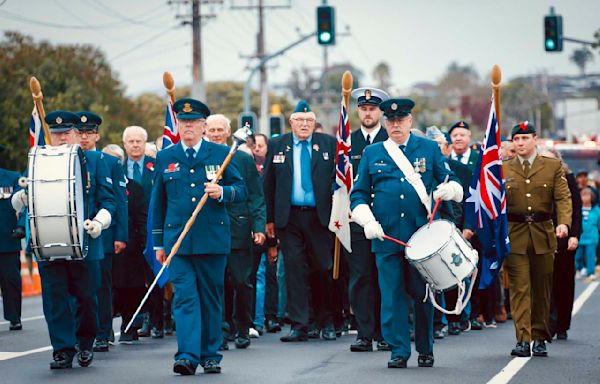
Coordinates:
column 259, row 255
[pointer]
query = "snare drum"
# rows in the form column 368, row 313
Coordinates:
column 444, row 259
column 56, row 198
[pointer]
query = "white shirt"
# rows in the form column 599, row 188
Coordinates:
column 371, row 134
column 465, row 156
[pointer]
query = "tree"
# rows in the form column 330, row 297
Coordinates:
column 382, row 74
column 581, row 57
column 521, row 102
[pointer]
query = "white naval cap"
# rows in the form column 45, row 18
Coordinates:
column 369, row 95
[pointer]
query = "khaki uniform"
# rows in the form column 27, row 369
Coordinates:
column 530, row 263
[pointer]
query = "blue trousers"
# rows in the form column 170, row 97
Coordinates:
column 105, row 298
column 10, row 284
column 197, row 305
column 399, row 283
column 586, row 257
column 67, row 323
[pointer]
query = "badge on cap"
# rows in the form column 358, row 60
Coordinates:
column 524, row 125
column 394, row 106
column 84, row 119
column 368, row 94
column 58, row 120
column 462, row 124
column 187, row 108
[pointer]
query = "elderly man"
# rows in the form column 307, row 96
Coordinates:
column 392, row 195
column 535, row 186
column 248, row 220
column 299, row 176
column 184, row 175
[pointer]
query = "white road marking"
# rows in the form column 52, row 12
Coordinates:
column 515, row 365
column 24, row 320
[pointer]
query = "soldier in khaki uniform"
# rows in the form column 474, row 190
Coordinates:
column 534, row 185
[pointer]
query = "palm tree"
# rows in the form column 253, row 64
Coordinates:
column 382, row 75
column 581, row 57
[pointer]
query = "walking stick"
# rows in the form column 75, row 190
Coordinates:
column 36, row 93
column 239, row 137
column 346, row 89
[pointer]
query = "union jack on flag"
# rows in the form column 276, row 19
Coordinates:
column 485, row 208
column 339, row 222
column 36, row 133
column 171, row 132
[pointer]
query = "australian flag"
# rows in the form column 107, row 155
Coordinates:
column 36, row 133
column 339, row 222
column 485, row 208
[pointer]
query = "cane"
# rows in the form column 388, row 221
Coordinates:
column 239, row 137
column 437, row 204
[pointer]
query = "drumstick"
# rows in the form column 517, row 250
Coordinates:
column 395, row 240
column 437, row 204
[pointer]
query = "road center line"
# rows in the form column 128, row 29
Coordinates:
column 515, row 365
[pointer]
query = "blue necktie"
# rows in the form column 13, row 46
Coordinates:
column 190, row 153
column 305, row 167
column 402, row 147
column 137, row 175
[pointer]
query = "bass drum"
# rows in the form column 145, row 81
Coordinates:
column 56, row 197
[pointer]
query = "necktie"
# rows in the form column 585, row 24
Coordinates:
column 459, row 157
column 137, row 175
column 190, row 153
column 305, row 167
column 402, row 147
column 368, row 138
column 526, row 167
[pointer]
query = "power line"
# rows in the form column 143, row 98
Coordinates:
column 103, row 8
column 135, row 47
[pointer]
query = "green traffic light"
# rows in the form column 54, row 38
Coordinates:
column 550, row 44
column 325, row 37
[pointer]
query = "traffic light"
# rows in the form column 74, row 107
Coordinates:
column 553, row 37
column 276, row 125
column 326, row 25
column 248, row 117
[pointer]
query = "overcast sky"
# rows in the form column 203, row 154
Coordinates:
column 418, row 39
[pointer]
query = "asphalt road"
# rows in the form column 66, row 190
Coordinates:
column 473, row 357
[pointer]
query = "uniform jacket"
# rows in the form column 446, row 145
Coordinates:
column 248, row 216
column 9, row 184
column 118, row 227
column 393, row 200
column 148, row 174
column 179, row 186
column 278, row 177
column 544, row 189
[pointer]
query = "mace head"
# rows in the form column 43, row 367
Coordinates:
column 242, row 134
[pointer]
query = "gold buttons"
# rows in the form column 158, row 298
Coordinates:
column 193, row 199
column 545, row 185
column 527, row 181
column 527, row 194
column 529, row 208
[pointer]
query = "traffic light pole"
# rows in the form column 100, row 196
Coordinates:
column 263, row 61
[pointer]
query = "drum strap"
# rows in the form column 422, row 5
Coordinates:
column 409, row 172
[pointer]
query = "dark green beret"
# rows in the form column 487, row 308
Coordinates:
column 302, row 106
column 88, row 121
column 394, row 108
column 61, row 121
column 523, row 128
column 190, row 109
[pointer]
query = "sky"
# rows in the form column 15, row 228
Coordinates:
column 418, row 39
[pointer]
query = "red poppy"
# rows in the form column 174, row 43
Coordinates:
column 172, row 167
column 150, row 166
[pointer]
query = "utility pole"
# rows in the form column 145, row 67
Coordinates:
column 260, row 54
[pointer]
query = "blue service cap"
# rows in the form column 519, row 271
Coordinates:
column 394, row 108
column 369, row 96
column 88, row 121
column 190, row 109
column 61, row 121
column 459, row 124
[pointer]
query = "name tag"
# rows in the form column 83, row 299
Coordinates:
column 355, row 157
column 279, row 158
column 173, row 167
column 325, row 156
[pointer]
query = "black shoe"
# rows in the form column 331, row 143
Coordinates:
column 521, row 350
column 111, row 339
column 382, row 345
column 539, row 348
column 476, row 325
column 314, row 333
column 362, row 345
column 412, row 335
column 101, row 346
column 62, row 360
column 293, row 336
column 184, row 367
column 224, row 346
column 15, row 326
column 145, row 330
column 211, row 366
column 454, row 328
column 127, row 337
column 397, row 362
column 242, row 341
column 169, row 326
column 85, row 357
column 157, row 333
column 328, row 333
column 562, row 335
column 272, row 326
column 425, row 360
column 440, row 333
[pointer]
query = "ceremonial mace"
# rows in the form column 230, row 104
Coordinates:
column 239, row 137
column 36, row 93
column 169, row 84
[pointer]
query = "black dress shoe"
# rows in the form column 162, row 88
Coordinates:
column 521, row 349
column 476, row 325
column 101, row 346
column 539, row 348
column 157, row 333
column 242, row 341
column 15, row 326
column 425, row 360
column 362, row 345
column 562, row 335
column 397, row 362
column 212, row 366
column 314, row 333
column 85, row 358
column 454, row 328
column 328, row 334
column 440, row 333
column 271, row 326
column 294, row 335
column 62, row 360
column 382, row 345
column 145, row 330
column 184, row 367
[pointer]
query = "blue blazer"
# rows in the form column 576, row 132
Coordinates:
column 9, row 184
column 179, row 186
column 118, row 230
column 393, row 200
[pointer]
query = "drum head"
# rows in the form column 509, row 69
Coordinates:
column 429, row 239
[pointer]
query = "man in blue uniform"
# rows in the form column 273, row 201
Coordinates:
column 183, row 175
column 392, row 195
column 62, row 278
column 10, row 245
column 114, row 238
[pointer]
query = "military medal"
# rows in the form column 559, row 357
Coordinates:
column 325, row 156
column 211, row 171
column 279, row 158
column 422, row 167
column 287, row 148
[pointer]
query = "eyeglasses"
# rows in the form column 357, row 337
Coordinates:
column 304, row 121
column 86, row 132
column 397, row 121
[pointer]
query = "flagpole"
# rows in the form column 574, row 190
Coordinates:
column 346, row 89
column 169, row 84
column 36, row 93
column 496, row 79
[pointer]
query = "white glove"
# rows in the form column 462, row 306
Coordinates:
column 449, row 191
column 19, row 200
column 373, row 230
column 93, row 228
column 104, row 218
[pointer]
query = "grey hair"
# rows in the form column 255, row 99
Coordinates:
column 219, row 117
column 135, row 129
column 116, row 150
